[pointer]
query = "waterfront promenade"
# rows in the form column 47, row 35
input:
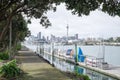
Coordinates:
column 38, row 69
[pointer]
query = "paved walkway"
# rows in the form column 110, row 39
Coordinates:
column 38, row 69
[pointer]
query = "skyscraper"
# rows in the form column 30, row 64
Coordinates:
column 39, row 35
column 76, row 36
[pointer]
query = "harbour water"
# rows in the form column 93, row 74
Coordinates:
column 111, row 57
column 112, row 53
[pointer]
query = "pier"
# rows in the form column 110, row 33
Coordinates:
column 112, row 71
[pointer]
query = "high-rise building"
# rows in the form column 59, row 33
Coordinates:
column 47, row 38
column 76, row 36
column 39, row 35
column 52, row 38
column 43, row 37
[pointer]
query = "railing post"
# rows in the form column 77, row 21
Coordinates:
column 76, row 52
column 52, row 52
column 40, row 49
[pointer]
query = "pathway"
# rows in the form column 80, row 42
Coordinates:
column 38, row 69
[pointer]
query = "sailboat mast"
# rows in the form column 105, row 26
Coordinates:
column 103, row 50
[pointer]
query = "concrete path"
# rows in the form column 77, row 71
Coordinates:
column 38, row 69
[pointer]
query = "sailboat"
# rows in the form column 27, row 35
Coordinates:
column 79, row 56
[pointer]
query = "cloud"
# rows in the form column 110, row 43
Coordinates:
column 96, row 24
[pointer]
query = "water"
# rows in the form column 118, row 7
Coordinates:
column 112, row 53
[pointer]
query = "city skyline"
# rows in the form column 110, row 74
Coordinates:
column 73, row 40
column 97, row 24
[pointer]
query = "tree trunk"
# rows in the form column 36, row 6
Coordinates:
column 3, row 47
column 14, row 48
column 5, row 28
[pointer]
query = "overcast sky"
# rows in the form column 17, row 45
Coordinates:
column 97, row 24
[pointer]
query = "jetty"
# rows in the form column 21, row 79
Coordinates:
column 112, row 71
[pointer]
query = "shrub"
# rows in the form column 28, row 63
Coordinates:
column 4, row 55
column 10, row 70
column 81, row 76
column 18, row 47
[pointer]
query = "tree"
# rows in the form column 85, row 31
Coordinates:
column 118, row 39
column 111, row 39
column 39, row 8
column 30, row 8
column 19, row 28
column 84, row 7
column 19, row 31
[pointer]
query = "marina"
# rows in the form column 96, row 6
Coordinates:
column 112, row 72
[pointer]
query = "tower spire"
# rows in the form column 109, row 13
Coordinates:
column 67, row 30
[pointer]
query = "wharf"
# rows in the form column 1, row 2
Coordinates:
column 112, row 71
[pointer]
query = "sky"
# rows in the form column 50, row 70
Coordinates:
column 97, row 24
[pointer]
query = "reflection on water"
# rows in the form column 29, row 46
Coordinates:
column 69, row 67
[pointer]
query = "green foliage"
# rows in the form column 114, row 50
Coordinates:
column 30, row 8
column 81, row 7
column 79, row 75
column 82, row 76
column 118, row 39
column 84, row 7
column 18, row 47
column 4, row 55
column 111, row 39
column 19, row 29
column 10, row 70
column 12, row 10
